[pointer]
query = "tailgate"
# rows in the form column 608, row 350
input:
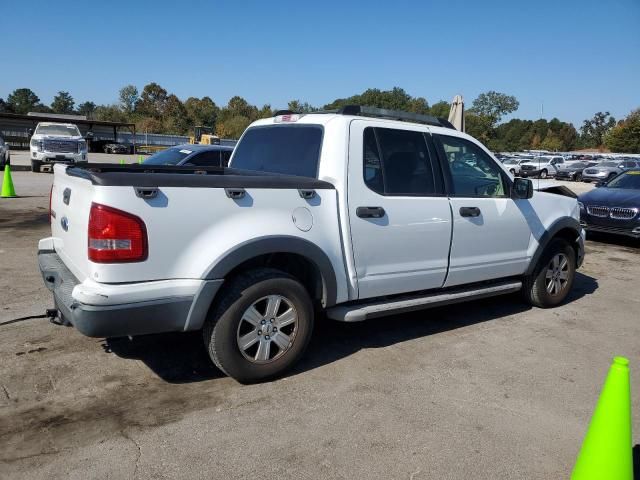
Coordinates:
column 70, row 205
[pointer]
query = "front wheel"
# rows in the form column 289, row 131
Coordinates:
column 543, row 174
column 553, row 277
column 261, row 325
column 578, row 177
column 35, row 166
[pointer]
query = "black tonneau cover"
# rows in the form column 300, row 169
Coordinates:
column 140, row 175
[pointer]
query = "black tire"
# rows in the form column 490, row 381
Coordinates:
column 35, row 166
column 611, row 177
column 543, row 173
column 224, row 322
column 578, row 177
column 534, row 287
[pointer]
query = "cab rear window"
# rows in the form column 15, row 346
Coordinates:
column 285, row 149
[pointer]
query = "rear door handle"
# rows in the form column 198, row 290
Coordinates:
column 469, row 212
column 370, row 212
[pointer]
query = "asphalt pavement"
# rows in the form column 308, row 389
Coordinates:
column 492, row 389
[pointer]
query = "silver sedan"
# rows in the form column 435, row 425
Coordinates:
column 607, row 170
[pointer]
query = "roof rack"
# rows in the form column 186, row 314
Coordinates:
column 364, row 111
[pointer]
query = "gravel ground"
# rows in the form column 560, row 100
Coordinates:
column 488, row 390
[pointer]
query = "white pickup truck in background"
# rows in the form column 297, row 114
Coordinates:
column 57, row 143
column 358, row 213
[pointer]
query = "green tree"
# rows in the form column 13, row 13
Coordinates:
column 152, row 101
column 232, row 127
column 494, row 105
column 87, row 109
column 201, row 111
column 593, row 130
column 478, row 126
column 440, row 109
column 63, row 103
column 394, row 99
column 625, row 136
column 3, row 106
column 301, row 107
column 176, row 120
column 22, row 101
column 128, row 97
column 110, row 113
column 551, row 142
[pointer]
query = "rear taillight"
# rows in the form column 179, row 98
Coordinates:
column 116, row 236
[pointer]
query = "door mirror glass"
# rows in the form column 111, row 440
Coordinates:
column 522, row 188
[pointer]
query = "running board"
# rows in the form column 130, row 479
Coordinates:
column 364, row 311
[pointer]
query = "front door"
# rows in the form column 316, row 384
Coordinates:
column 490, row 231
column 399, row 217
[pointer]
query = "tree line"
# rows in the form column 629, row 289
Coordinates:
column 156, row 110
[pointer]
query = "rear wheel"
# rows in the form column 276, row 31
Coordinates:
column 261, row 325
column 35, row 166
column 543, row 173
column 553, row 277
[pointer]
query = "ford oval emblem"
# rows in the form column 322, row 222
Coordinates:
column 65, row 224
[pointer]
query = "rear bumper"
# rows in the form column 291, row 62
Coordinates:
column 148, row 314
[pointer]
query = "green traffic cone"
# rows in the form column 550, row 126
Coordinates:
column 122, row 161
column 607, row 447
column 139, row 158
column 7, row 184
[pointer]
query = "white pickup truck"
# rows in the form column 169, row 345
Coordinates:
column 358, row 213
column 56, row 143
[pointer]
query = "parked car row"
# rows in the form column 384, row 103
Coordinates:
column 568, row 168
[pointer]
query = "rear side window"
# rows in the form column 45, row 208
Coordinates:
column 396, row 162
column 286, row 149
column 210, row 158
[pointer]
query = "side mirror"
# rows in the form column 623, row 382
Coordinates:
column 522, row 188
column 89, row 135
column 30, row 132
column 599, row 184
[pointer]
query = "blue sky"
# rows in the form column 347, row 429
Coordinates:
column 578, row 57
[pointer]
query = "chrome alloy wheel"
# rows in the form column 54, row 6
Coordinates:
column 267, row 329
column 557, row 276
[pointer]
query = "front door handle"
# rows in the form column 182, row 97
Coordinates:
column 469, row 212
column 370, row 212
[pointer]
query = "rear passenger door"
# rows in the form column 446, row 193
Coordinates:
column 399, row 217
column 490, row 231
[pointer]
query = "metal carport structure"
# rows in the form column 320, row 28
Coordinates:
column 15, row 127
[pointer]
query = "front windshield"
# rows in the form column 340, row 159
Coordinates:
column 540, row 160
column 609, row 164
column 58, row 130
column 629, row 180
column 170, row 156
column 511, row 161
